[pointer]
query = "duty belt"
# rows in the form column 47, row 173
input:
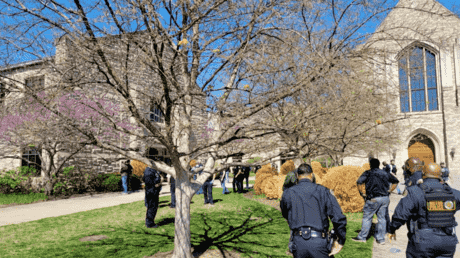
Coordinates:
column 313, row 233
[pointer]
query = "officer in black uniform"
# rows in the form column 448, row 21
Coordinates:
column 307, row 207
column 429, row 209
column 152, row 179
column 413, row 171
column 247, row 171
column 172, row 189
column 393, row 166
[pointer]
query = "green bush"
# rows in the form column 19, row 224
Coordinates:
column 112, row 183
column 10, row 181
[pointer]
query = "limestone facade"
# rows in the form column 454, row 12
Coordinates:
column 436, row 30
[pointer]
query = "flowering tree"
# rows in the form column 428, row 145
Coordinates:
column 231, row 60
column 31, row 124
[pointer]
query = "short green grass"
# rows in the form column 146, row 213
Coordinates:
column 21, row 198
column 256, row 229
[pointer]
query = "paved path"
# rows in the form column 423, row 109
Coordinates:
column 36, row 211
column 397, row 249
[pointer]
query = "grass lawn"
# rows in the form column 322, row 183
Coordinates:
column 257, row 230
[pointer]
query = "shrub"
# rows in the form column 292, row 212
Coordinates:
column 112, row 183
column 17, row 180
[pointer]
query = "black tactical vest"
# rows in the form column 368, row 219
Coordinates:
column 440, row 206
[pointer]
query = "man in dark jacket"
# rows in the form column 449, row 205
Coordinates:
column 376, row 183
column 126, row 171
column 152, row 181
column 247, row 171
column 308, row 207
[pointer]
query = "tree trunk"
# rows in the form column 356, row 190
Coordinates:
column 182, row 237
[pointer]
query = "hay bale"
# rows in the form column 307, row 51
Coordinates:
column 342, row 180
column 319, row 180
column 273, row 186
column 192, row 163
column 138, row 167
column 287, row 167
column 263, row 173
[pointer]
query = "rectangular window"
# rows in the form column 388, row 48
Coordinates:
column 417, row 80
column 2, row 93
column 29, row 156
column 403, row 86
column 431, row 81
column 156, row 115
column 37, row 82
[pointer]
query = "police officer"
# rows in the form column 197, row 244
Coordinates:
column 172, row 189
column 377, row 191
column 413, row 171
column 307, row 207
column 445, row 173
column 247, row 171
column 393, row 166
column 429, row 210
column 152, row 179
column 238, row 179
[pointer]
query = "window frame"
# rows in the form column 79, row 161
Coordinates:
column 405, row 54
column 27, row 153
column 157, row 114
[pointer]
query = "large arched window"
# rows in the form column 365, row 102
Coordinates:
column 417, row 80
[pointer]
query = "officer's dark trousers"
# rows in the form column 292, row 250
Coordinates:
column 172, row 188
column 430, row 243
column 207, row 190
column 239, row 184
column 387, row 218
column 152, row 199
column 314, row 247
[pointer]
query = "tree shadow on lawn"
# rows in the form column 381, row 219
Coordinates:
column 256, row 232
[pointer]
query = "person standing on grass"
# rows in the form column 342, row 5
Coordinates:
column 247, row 171
column 238, row 179
column 172, row 189
column 197, row 170
column 308, row 207
column 126, row 171
column 376, row 183
column 224, row 180
column 152, row 179
column 207, row 189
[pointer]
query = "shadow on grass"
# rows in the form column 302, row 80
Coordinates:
column 234, row 223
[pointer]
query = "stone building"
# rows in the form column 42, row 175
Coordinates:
column 42, row 74
column 420, row 40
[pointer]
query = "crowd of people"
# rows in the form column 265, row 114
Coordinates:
column 428, row 208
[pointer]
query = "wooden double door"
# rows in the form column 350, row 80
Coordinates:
column 423, row 148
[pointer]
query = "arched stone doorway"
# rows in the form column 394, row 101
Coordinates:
column 422, row 147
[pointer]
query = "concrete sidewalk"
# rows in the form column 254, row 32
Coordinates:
column 36, row 211
column 397, row 249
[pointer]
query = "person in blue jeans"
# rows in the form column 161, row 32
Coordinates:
column 207, row 189
column 224, row 181
column 376, row 183
column 198, row 170
column 126, row 171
